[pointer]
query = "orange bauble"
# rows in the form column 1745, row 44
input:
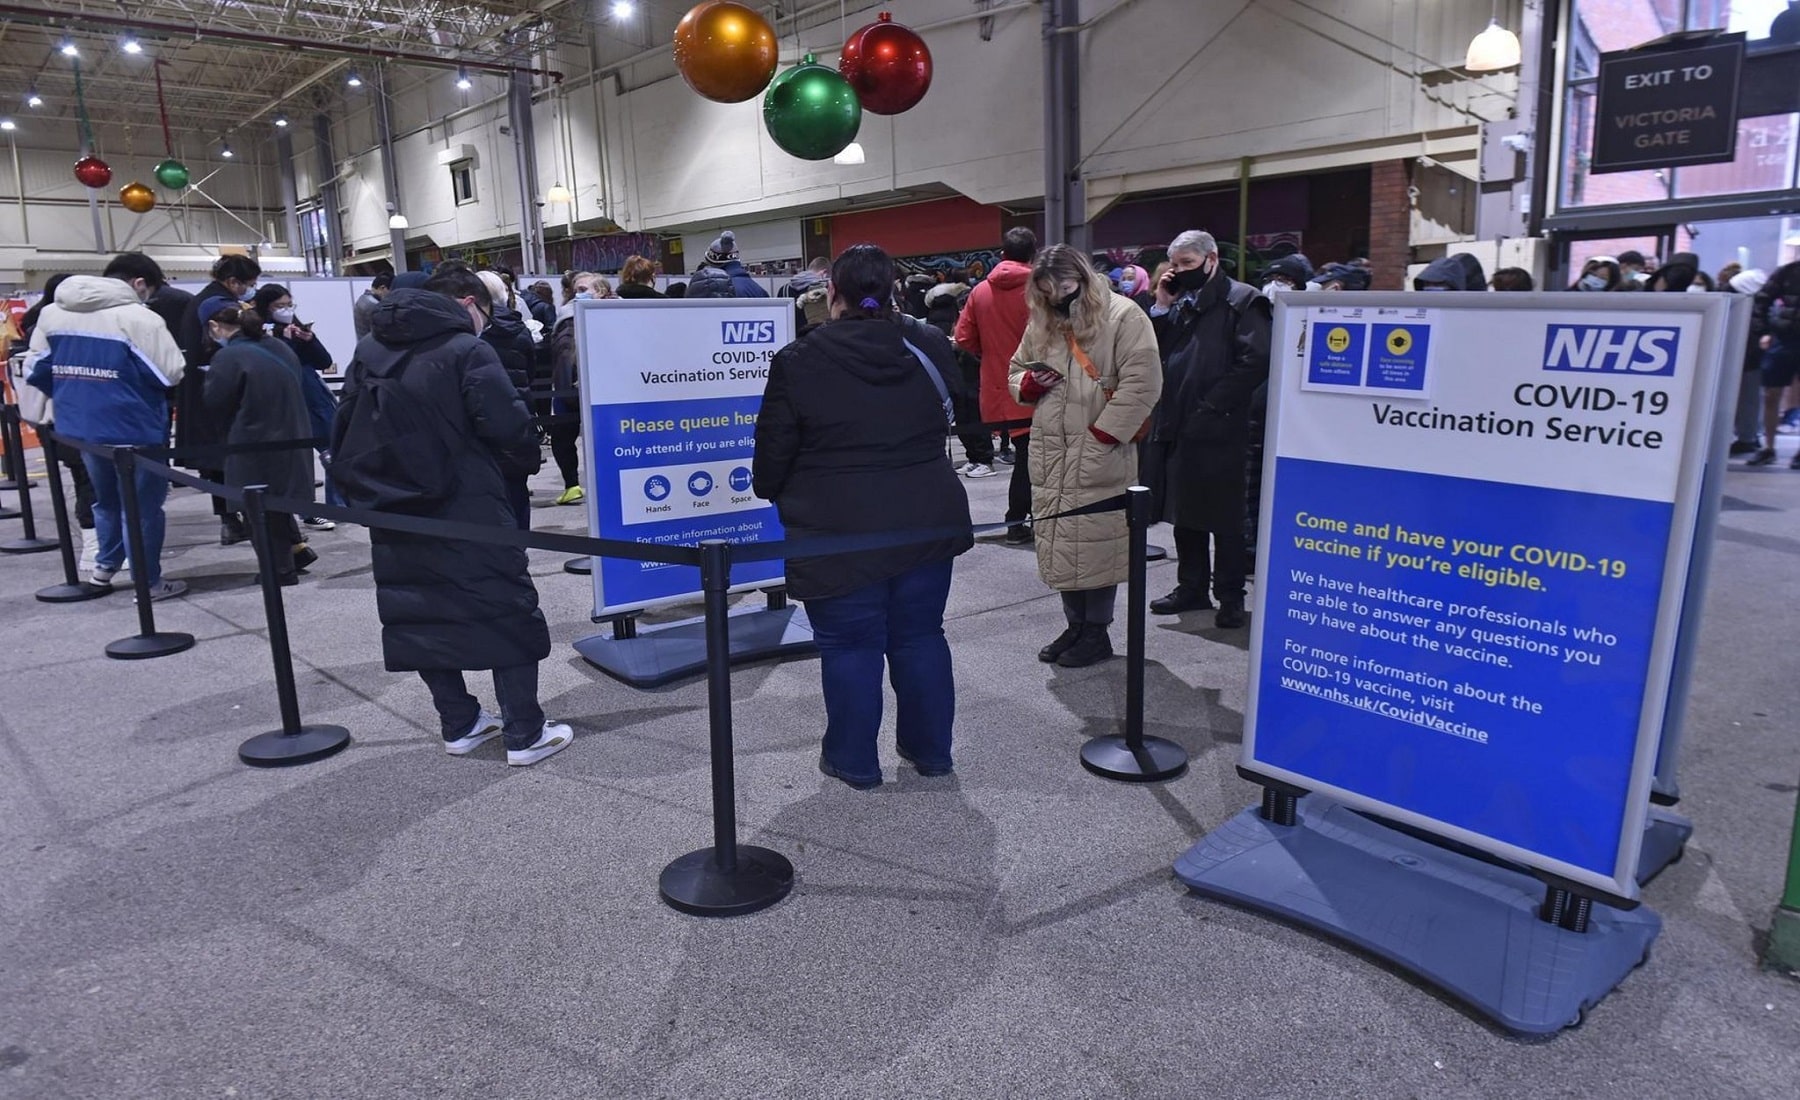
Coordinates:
column 137, row 198
column 725, row 51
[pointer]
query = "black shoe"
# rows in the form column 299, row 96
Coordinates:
column 1763, row 457
column 287, row 580
column 1182, row 599
column 304, row 557
column 1739, row 447
column 1018, row 535
column 859, row 784
column 1093, row 646
column 1060, row 646
column 1231, row 614
column 233, row 530
column 927, row 771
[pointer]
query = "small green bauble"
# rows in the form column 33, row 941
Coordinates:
column 172, row 174
column 811, row 111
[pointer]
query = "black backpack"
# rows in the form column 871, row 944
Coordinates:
column 388, row 454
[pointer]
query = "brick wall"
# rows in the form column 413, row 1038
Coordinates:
column 1390, row 223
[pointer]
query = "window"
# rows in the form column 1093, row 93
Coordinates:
column 462, row 181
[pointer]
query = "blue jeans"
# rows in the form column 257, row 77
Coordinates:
column 109, row 517
column 899, row 621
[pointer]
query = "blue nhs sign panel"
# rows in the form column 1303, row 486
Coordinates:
column 748, row 332
column 1611, row 349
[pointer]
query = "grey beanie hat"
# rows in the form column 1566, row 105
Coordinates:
column 723, row 248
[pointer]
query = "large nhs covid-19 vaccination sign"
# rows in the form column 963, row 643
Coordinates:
column 1478, row 520
column 670, row 392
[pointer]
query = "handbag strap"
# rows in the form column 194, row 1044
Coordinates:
column 1086, row 364
column 937, row 379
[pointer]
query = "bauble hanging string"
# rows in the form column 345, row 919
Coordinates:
column 171, row 173
column 90, row 170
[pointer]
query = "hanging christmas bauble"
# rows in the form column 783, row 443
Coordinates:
column 93, row 172
column 172, row 174
column 811, row 111
column 889, row 66
column 725, row 51
column 137, row 198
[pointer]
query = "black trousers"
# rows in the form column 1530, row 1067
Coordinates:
column 1223, row 573
column 1018, row 494
column 563, row 435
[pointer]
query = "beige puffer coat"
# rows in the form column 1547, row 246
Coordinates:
column 1069, row 467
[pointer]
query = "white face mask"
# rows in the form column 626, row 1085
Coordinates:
column 1696, row 288
column 1274, row 287
column 1593, row 281
column 282, row 316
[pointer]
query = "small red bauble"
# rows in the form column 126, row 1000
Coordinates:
column 93, row 172
column 889, row 66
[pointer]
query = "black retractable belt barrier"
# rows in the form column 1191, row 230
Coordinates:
column 581, row 566
column 147, row 642
column 728, row 879
column 12, row 466
column 73, row 589
column 15, row 446
column 293, row 743
column 1133, row 757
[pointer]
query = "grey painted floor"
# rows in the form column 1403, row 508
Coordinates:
column 397, row 922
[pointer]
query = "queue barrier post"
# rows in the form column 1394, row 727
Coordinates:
column 73, row 589
column 579, row 566
column 1133, row 757
column 15, row 446
column 728, row 879
column 147, row 642
column 12, row 465
column 294, row 742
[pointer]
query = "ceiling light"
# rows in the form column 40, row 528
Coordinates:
column 850, row 154
column 462, row 79
column 8, row 125
column 281, row 120
column 225, row 149
column 68, row 48
column 623, row 9
column 1492, row 50
column 32, row 99
column 131, row 45
column 398, row 220
column 558, row 193
column 354, row 79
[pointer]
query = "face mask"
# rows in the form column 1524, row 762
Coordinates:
column 247, row 294
column 1431, row 288
column 1192, row 279
column 1696, row 288
column 283, row 316
column 1592, row 282
column 1274, row 287
column 1126, row 286
column 1064, row 304
column 584, row 295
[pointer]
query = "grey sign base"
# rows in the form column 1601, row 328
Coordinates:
column 1466, row 926
column 664, row 654
column 1665, row 841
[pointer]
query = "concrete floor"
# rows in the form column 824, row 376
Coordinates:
column 397, row 922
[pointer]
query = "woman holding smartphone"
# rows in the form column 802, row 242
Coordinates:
column 1089, row 365
column 275, row 305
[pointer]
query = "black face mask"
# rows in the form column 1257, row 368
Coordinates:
column 1063, row 305
column 1192, row 279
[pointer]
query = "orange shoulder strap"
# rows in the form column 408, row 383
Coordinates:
column 1082, row 359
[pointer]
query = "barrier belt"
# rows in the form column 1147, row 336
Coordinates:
column 183, row 455
column 825, row 546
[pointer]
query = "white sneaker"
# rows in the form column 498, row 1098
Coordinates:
column 167, row 589
column 316, row 523
column 975, row 471
column 963, row 470
column 554, row 739
column 485, row 729
column 101, row 578
column 90, row 554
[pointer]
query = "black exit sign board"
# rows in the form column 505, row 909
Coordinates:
column 1667, row 105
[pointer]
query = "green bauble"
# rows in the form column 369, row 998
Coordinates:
column 172, row 174
column 811, row 111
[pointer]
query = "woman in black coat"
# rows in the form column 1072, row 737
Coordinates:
column 253, row 388
column 850, row 441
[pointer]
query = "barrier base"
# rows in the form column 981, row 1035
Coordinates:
column 1154, row 553
column 28, row 546
column 663, row 654
column 72, row 593
column 582, row 566
column 277, row 749
column 1665, row 842
column 695, row 884
column 1113, row 758
column 1465, row 925
column 140, row 646
column 9, row 513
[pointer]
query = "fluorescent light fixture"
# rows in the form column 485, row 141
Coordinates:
column 354, row 79
column 1492, row 50
column 32, row 99
column 131, row 45
column 68, row 48
column 462, row 79
column 558, row 193
column 8, row 125
column 850, row 154
column 398, row 220
column 623, row 9
column 281, row 120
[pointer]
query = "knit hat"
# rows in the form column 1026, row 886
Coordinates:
column 723, row 248
column 1751, row 281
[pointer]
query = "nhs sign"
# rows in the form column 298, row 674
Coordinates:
column 1612, row 349
column 748, row 332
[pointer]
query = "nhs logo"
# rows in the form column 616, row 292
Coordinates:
column 1614, row 349
column 749, row 332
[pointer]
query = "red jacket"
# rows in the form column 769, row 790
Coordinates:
column 990, row 328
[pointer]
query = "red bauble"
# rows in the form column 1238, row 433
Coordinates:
column 93, row 172
column 889, row 66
